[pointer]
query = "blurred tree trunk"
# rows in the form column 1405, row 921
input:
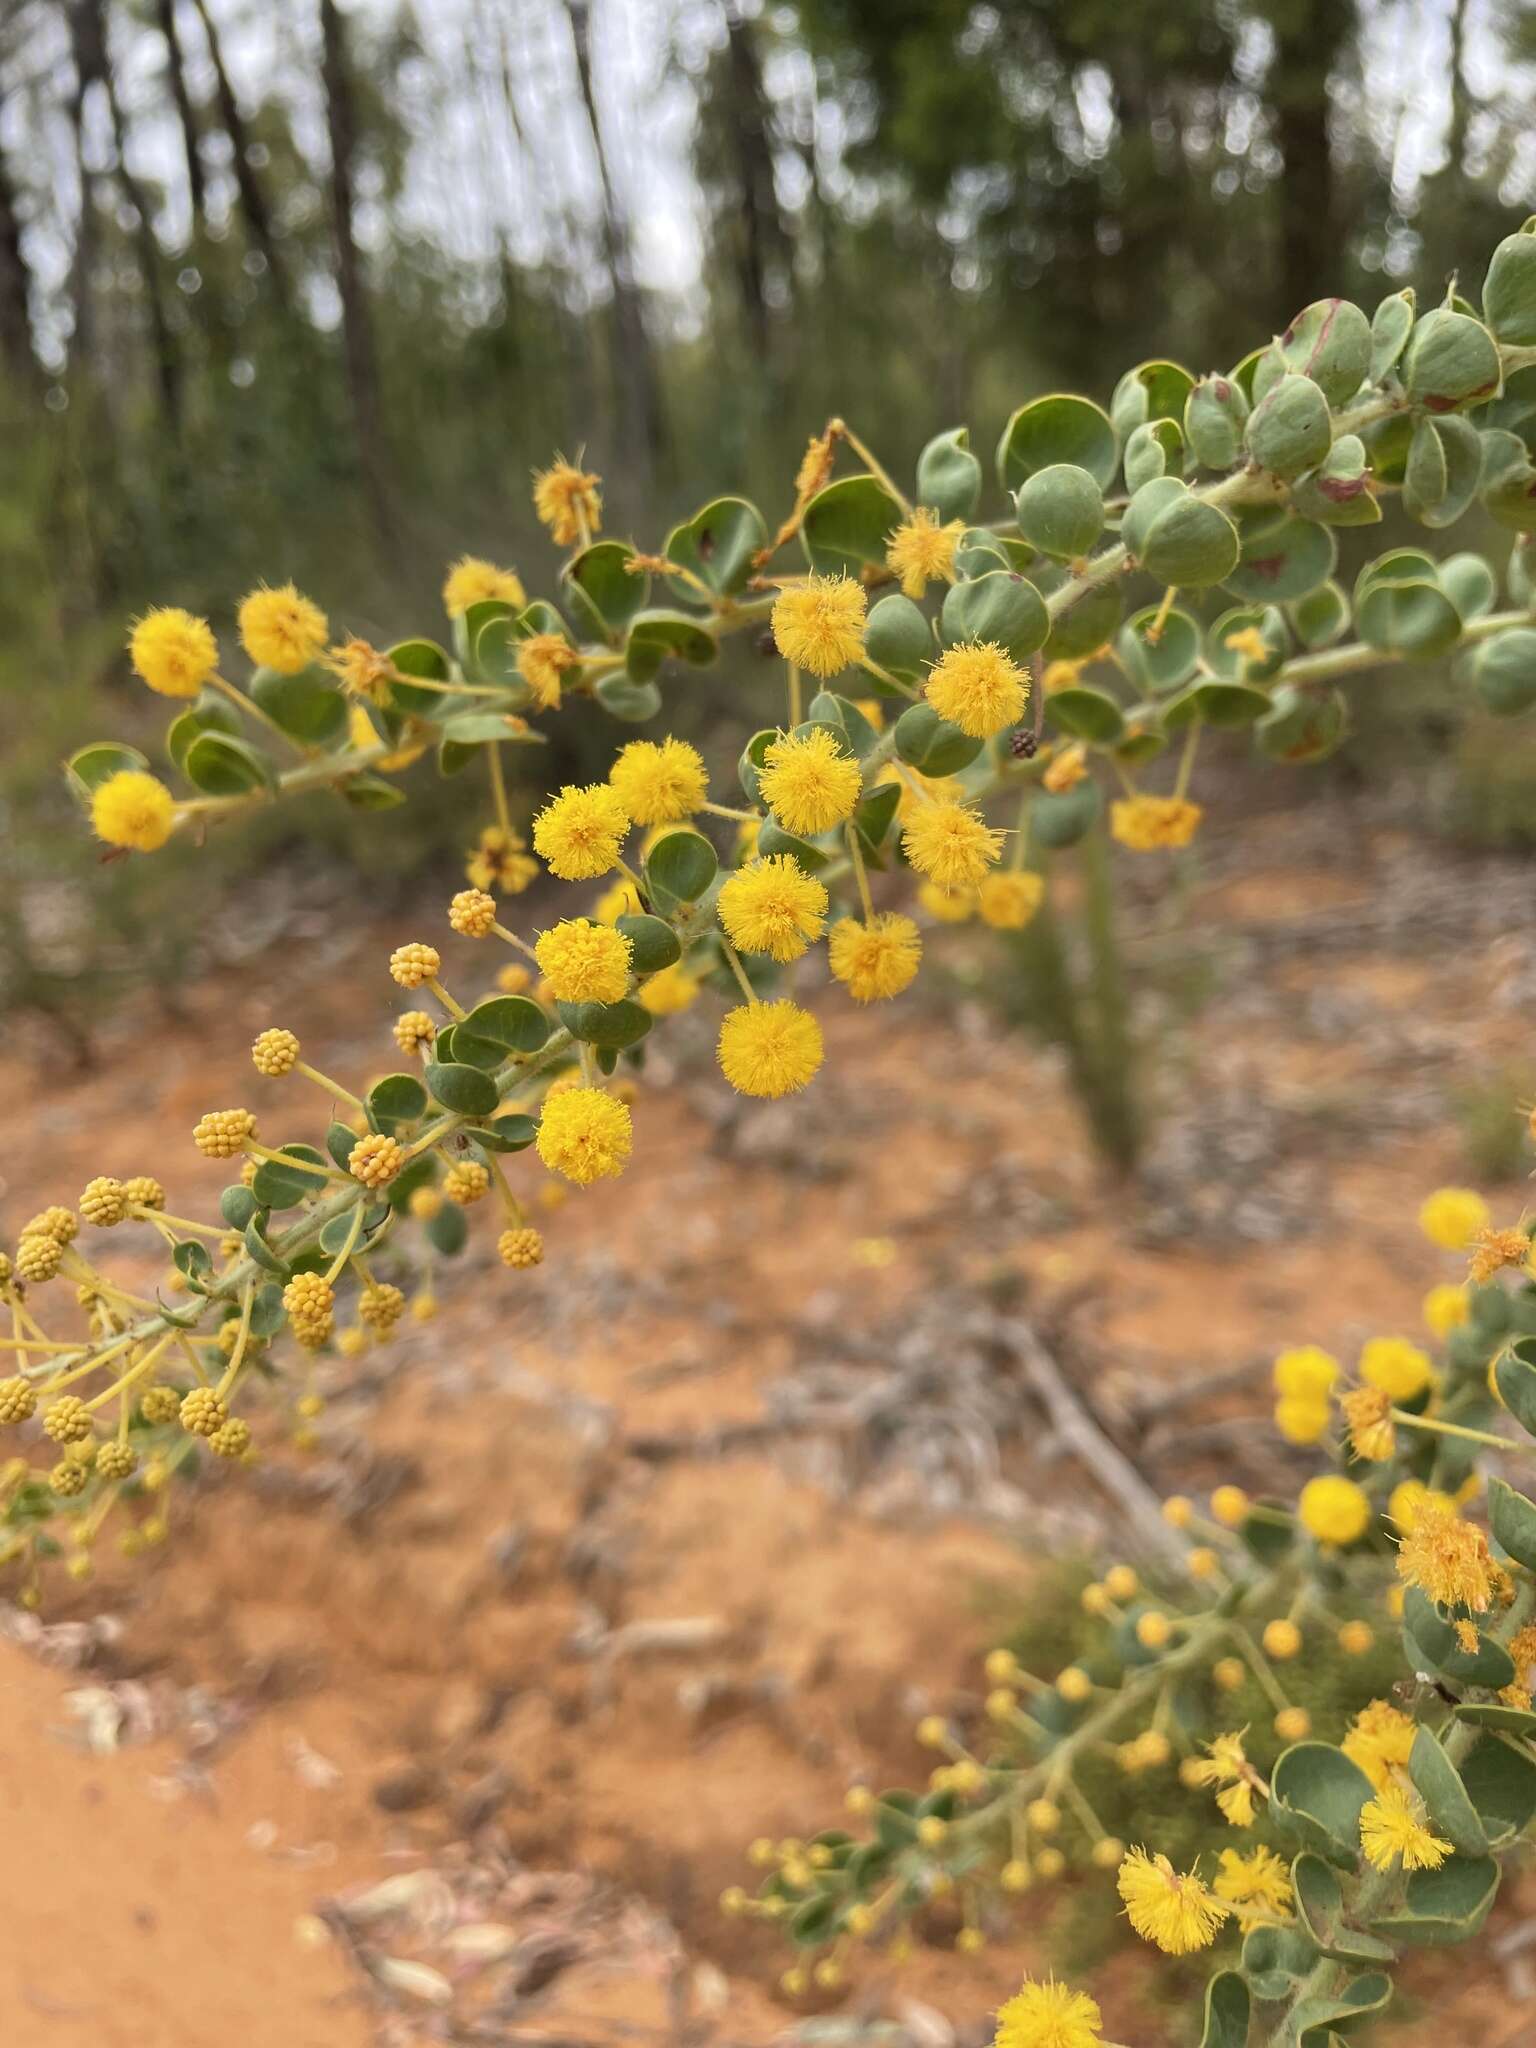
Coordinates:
column 253, row 203
column 573, row 352
column 634, row 367
column 91, row 48
column 165, row 16
column 358, row 349
column 759, row 239
column 1310, row 37
column 16, row 356
column 82, row 261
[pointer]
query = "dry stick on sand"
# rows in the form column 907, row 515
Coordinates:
column 1076, row 1428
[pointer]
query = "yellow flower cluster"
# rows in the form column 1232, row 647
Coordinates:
column 1147, row 823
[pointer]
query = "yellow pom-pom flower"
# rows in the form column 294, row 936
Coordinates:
column 568, row 502
column 922, row 551
column 1493, row 1250
column 280, row 629
column 579, row 832
column 1229, row 1506
column 769, row 1049
column 543, row 659
column 1380, row 1741
column 1334, row 1509
column 819, row 624
column 133, row 809
column 659, row 784
column 977, row 688
column 501, row 861
column 173, row 651
column 1410, row 1498
column 1446, row 1558
column 1009, row 900
column 1173, row 1911
column 584, row 1134
column 1452, row 1217
column 1305, row 1373
column 1066, row 770
column 1226, row 1770
column 585, row 962
column 947, row 906
column 472, row 581
column 773, row 906
column 1257, row 1886
column 1146, row 823
column 669, row 991
column 1368, row 1420
column 363, row 672
column 1303, row 1378
column 1392, row 1830
column 1395, row 1367
column 1445, row 1309
column 951, row 844
column 1302, row 1421
column 876, row 959
column 1048, row 2015
column 808, row 781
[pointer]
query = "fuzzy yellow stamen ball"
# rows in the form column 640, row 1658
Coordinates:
column 951, row 844
column 809, row 782
column 280, row 629
column 472, row 581
column 1173, row 1911
column 173, row 651
column 922, row 551
column 769, row 1049
column 1007, row 902
column 659, row 783
column 584, row 1134
column 977, row 688
column 568, row 502
column 133, row 809
column 876, row 959
column 1146, row 823
column 585, row 962
column 669, row 991
column 543, row 660
column 579, row 832
column 1334, row 1509
column 1452, row 1217
column 773, row 906
column 819, row 624
column 1395, row 1367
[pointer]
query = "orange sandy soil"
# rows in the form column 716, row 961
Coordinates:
column 424, row 1651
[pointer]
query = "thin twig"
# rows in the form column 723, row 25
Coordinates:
column 1085, row 1438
